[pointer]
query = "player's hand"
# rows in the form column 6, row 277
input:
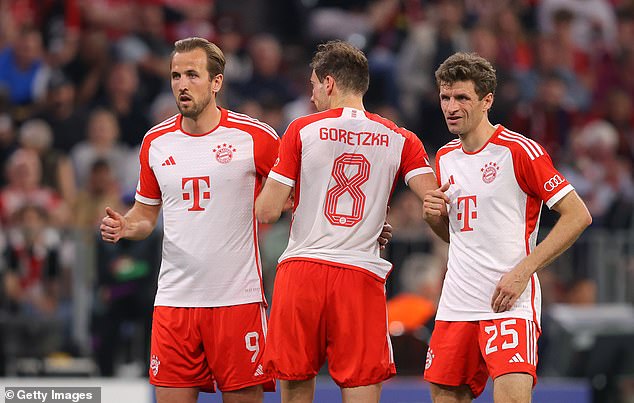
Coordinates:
column 290, row 203
column 386, row 235
column 435, row 202
column 112, row 226
column 509, row 289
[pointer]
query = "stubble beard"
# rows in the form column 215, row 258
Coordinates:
column 196, row 108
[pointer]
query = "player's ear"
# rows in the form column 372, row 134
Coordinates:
column 329, row 83
column 488, row 101
column 216, row 83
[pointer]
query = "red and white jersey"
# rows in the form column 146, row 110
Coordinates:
column 344, row 164
column 496, row 198
column 207, row 186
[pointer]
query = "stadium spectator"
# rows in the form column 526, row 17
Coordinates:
column 267, row 83
column 601, row 177
column 57, row 170
column 102, row 142
column 87, row 70
column 61, row 111
column 428, row 43
column 24, row 187
column 33, row 284
column 592, row 20
column 547, row 118
column 147, row 48
column 24, row 73
column 492, row 185
column 8, row 141
column 122, row 96
column 102, row 189
column 332, row 246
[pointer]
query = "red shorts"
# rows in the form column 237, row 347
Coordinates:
column 324, row 312
column 465, row 353
column 204, row 347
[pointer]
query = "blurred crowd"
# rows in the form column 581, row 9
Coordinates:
column 81, row 81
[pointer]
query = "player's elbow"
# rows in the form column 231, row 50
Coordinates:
column 582, row 220
column 586, row 219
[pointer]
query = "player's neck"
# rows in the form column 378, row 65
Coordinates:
column 476, row 139
column 347, row 101
column 205, row 122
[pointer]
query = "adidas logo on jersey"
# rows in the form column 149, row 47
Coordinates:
column 517, row 358
column 169, row 161
column 259, row 371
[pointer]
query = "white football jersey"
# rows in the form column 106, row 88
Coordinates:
column 207, row 184
column 344, row 164
column 496, row 198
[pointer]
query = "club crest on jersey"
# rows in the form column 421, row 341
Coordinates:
column 224, row 153
column 489, row 172
column 154, row 364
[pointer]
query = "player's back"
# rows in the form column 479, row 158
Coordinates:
column 350, row 160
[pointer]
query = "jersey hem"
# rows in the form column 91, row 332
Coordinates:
column 172, row 304
column 476, row 318
column 336, row 264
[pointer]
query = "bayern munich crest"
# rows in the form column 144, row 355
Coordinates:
column 489, row 172
column 154, row 364
column 429, row 359
column 224, row 153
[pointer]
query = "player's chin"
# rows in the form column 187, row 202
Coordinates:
column 454, row 127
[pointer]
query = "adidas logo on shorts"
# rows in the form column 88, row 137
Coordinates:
column 259, row 371
column 517, row 358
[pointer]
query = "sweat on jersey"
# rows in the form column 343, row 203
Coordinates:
column 344, row 164
column 207, row 184
column 496, row 199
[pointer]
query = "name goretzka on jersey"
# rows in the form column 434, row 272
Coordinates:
column 353, row 138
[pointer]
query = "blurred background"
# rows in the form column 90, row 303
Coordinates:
column 81, row 81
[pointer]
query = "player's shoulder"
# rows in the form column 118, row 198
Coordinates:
column 518, row 144
column 453, row 145
column 390, row 125
column 249, row 124
column 169, row 125
column 305, row 120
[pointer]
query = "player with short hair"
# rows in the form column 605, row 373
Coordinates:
column 494, row 182
column 204, row 167
column 329, row 296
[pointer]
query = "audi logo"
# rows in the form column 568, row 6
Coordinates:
column 552, row 183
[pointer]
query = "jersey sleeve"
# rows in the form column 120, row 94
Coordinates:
column 414, row 159
column 266, row 147
column 286, row 168
column 538, row 177
column 148, row 190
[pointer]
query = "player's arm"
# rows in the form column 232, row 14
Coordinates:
column 271, row 201
column 434, row 203
column 138, row 223
column 573, row 220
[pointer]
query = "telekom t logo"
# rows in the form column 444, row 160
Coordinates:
column 196, row 191
column 467, row 213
